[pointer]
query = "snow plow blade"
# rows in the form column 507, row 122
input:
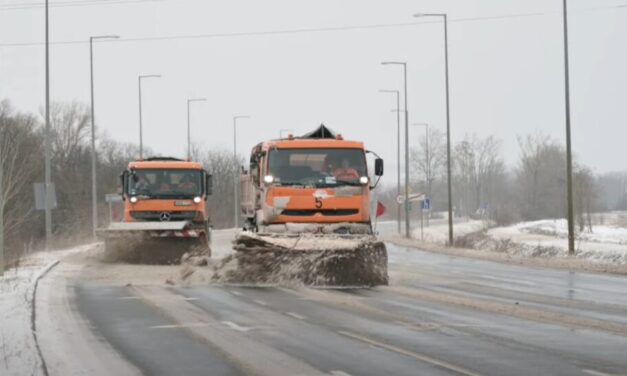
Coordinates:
column 152, row 242
column 321, row 260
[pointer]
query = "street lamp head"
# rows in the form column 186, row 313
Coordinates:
column 104, row 37
column 150, row 76
column 418, row 15
column 393, row 63
column 197, row 100
column 241, row 117
column 388, row 91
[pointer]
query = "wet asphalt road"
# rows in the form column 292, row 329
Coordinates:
column 441, row 315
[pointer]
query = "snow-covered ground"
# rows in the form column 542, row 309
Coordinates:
column 18, row 349
column 605, row 243
column 437, row 230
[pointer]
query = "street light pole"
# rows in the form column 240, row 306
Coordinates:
column 448, row 124
column 141, row 135
column 189, row 137
column 398, row 152
column 236, row 173
column 47, row 146
column 407, row 219
column 94, row 191
column 569, row 158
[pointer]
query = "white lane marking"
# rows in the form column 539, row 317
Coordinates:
column 423, row 358
column 234, row 326
column 128, row 297
column 260, row 302
column 236, row 293
column 507, row 280
column 295, row 315
column 339, row 373
column 190, row 298
column 175, row 326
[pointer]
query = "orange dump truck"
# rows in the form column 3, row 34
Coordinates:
column 165, row 213
column 310, row 197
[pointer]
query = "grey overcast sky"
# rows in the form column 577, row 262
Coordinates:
column 506, row 73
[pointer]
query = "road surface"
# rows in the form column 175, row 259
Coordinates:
column 441, row 315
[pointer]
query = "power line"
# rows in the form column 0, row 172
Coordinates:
column 306, row 30
column 66, row 4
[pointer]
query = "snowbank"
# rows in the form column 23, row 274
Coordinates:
column 19, row 353
column 606, row 243
column 437, row 231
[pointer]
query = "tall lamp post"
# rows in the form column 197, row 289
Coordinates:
column 141, row 134
column 236, row 173
column 426, row 175
column 569, row 158
column 47, row 146
column 448, row 124
column 407, row 224
column 94, row 190
column 398, row 151
column 189, row 137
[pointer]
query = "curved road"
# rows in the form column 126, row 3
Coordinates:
column 441, row 315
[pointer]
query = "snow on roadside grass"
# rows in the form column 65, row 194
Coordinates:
column 437, row 231
column 18, row 350
column 606, row 243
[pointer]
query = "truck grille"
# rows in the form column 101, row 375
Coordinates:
column 156, row 215
column 325, row 212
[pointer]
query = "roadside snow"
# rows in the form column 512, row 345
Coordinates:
column 437, row 231
column 18, row 350
column 606, row 243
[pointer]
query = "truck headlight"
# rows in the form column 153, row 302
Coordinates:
column 197, row 199
column 268, row 179
column 133, row 199
column 364, row 180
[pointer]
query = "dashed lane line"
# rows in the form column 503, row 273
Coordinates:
column 295, row 315
column 422, row 358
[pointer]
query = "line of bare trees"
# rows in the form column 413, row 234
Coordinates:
column 485, row 187
column 22, row 158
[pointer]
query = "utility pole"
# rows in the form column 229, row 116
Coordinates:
column 94, row 191
column 189, row 137
column 141, row 135
column 236, row 209
column 398, row 152
column 407, row 219
column 1, row 210
column 448, row 124
column 569, row 158
column 47, row 145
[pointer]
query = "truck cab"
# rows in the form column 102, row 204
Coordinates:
column 317, row 179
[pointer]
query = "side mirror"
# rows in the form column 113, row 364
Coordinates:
column 122, row 186
column 378, row 167
column 209, row 184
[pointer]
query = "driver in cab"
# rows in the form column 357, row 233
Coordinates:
column 345, row 171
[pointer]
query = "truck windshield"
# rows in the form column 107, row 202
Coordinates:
column 317, row 167
column 161, row 183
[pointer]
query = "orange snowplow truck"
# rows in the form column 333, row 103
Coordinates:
column 164, row 202
column 318, row 182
